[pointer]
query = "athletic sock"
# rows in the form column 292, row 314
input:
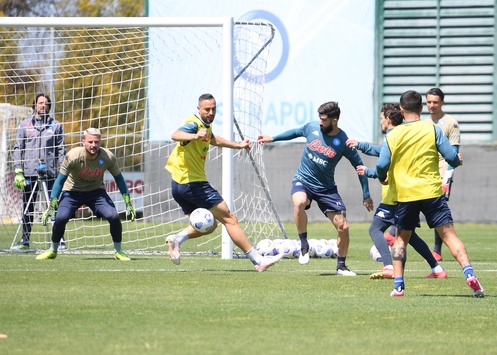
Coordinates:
column 181, row 236
column 399, row 283
column 341, row 261
column 437, row 268
column 55, row 246
column 468, row 271
column 117, row 246
column 303, row 240
column 437, row 247
column 254, row 256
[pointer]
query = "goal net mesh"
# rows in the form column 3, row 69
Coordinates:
column 137, row 85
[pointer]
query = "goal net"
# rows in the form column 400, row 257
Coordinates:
column 137, row 81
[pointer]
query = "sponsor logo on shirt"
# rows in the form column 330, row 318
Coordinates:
column 317, row 146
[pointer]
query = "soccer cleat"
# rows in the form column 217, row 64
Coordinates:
column 62, row 246
column 304, row 256
column 120, row 255
column 437, row 256
column 344, row 271
column 268, row 261
column 397, row 292
column 475, row 285
column 437, row 275
column 389, row 238
column 173, row 247
column 49, row 254
column 385, row 273
column 20, row 246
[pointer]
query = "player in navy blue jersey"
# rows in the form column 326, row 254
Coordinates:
column 315, row 178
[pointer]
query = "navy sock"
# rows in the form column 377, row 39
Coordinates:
column 437, row 247
column 303, row 240
column 341, row 261
column 468, row 271
column 399, row 283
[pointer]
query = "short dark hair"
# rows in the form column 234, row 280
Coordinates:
column 49, row 106
column 437, row 92
column 204, row 97
column 330, row 109
column 411, row 101
column 392, row 112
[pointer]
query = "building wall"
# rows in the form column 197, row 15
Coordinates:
column 472, row 199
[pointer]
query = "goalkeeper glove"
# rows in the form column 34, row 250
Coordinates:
column 130, row 210
column 20, row 180
column 50, row 212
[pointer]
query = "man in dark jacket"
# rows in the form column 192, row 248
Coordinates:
column 38, row 152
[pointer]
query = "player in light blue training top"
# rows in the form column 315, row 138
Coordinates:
column 315, row 178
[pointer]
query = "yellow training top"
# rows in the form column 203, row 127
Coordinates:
column 187, row 160
column 413, row 174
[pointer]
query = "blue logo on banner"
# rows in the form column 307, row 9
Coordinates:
column 266, row 15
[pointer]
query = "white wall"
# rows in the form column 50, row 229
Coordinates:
column 323, row 51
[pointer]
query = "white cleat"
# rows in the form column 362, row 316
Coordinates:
column 267, row 262
column 304, row 259
column 173, row 247
column 344, row 271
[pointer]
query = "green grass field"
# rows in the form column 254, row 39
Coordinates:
column 92, row 304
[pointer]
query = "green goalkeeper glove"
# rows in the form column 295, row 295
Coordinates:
column 50, row 212
column 130, row 210
column 20, row 180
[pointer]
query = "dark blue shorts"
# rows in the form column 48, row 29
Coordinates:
column 195, row 195
column 435, row 210
column 97, row 200
column 328, row 200
column 386, row 213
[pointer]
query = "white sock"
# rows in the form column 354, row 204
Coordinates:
column 181, row 236
column 254, row 256
column 437, row 268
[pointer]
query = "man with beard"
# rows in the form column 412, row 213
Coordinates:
column 81, row 182
column 315, row 178
column 191, row 190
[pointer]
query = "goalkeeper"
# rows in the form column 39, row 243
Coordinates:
column 81, row 182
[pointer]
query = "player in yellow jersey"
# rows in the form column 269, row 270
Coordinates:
column 190, row 187
column 384, row 216
column 81, row 181
column 409, row 155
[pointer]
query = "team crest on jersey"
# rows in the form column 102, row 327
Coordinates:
column 336, row 142
column 101, row 162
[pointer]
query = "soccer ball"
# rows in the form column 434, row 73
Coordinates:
column 323, row 249
column 334, row 248
column 288, row 247
column 265, row 247
column 202, row 220
column 375, row 254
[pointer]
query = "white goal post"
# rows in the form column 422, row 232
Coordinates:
column 137, row 79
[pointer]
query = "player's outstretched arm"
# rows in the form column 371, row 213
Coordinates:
column 221, row 142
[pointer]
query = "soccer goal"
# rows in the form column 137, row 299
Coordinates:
column 137, row 79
